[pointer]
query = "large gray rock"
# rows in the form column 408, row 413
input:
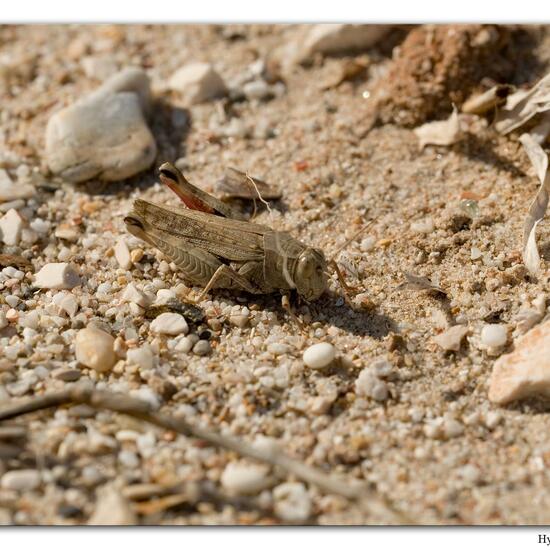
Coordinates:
column 104, row 135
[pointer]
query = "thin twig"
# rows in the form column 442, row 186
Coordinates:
column 84, row 394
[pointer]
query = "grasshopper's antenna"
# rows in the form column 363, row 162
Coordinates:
column 349, row 241
column 334, row 264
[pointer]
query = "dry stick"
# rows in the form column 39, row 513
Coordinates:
column 83, row 394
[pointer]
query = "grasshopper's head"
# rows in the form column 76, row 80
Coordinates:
column 310, row 276
column 135, row 226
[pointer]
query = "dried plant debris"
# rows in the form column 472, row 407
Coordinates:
column 523, row 105
column 239, row 185
column 539, row 160
column 440, row 132
column 416, row 282
column 438, row 65
column 348, row 70
column 481, row 103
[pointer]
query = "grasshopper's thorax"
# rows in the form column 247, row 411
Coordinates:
column 290, row 264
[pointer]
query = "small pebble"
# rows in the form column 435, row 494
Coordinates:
column 245, row 479
column 122, row 254
column 319, row 355
column 202, row 347
column 292, row 502
column 112, row 508
column 133, row 295
column 494, row 336
column 170, row 323
column 197, row 82
column 11, row 226
column 57, row 276
column 94, row 349
column 21, row 480
column 424, row 226
column 143, row 357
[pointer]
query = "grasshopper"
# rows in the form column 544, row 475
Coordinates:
column 214, row 247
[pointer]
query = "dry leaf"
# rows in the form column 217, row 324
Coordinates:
column 415, row 282
column 237, row 185
column 523, row 106
column 441, row 132
column 539, row 160
column 480, row 104
column 350, row 69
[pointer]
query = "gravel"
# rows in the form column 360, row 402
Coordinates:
column 400, row 407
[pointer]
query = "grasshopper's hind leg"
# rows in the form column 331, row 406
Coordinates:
column 233, row 280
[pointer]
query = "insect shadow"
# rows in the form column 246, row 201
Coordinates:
column 330, row 311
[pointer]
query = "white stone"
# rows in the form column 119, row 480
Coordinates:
column 10, row 191
column 40, row 226
column 424, row 226
column 143, row 357
column 257, row 89
column 66, row 302
column 319, row 355
column 202, row 347
column 494, row 336
column 451, row 339
column 95, row 349
column 170, row 323
column 185, row 345
column 452, row 428
column 369, row 385
column 11, row 226
column 245, row 479
column 133, row 295
column 57, row 276
column 197, row 82
column 104, row 135
column 97, row 67
column 21, row 480
column 292, row 502
column 525, row 371
column 112, row 508
column 164, row 295
column 122, row 254
column 129, row 459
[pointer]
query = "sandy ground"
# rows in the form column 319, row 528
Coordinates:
column 435, row 447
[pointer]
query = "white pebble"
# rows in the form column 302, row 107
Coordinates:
column 57, row 276
column 245, row 479
column 128, row 459
column 164, row 295
column 292, row 502
column 202, row 347
column 369, row 385
column 319, row 355
column 423, row 226
column 11, row 225
column 475, row 253
column 197, row 82
column 133, row 295
column 122, row 254
column 170, row 323
column 185, row 345
column 95, row 349
column 143, row 357
column 494, row 336
column 492, row 419
column 21, row 480
column 66, row 302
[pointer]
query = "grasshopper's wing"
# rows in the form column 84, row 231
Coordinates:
column 230, row 239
